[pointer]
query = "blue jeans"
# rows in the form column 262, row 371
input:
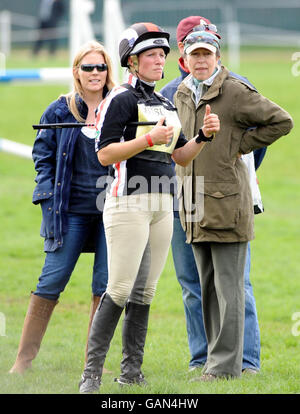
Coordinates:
column 188, row 278
column 60, row 264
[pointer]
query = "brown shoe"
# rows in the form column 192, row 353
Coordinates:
column 205, row 378
column 250, row 371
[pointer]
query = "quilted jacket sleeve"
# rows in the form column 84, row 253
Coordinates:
column 44, row 157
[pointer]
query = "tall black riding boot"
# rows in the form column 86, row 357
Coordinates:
column 102, row 330
column 135, row 326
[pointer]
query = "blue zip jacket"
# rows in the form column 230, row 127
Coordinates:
column 52, row 154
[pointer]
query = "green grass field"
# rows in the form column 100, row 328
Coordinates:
column 274, row 274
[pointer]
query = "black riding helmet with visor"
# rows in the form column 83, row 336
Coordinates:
column 140, row 37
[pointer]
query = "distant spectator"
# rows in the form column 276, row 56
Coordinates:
column 49, row 14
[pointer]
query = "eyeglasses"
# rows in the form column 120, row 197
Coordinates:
column 102, row 67
column 205, row 27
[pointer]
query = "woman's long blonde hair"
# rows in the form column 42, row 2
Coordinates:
column 91, row 46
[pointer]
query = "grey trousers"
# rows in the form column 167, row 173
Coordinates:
column 221, row 269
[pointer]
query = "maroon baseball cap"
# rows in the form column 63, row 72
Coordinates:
column 185, row 26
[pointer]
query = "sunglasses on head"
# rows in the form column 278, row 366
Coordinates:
column 203, row 27
column 196, row 39
column 90, row 67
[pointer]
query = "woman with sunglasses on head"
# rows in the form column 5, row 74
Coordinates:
column 220, row 239
column 67, row 171
column 138, row 211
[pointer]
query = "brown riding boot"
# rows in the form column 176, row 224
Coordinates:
column 35, row 325
column 94, row 305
